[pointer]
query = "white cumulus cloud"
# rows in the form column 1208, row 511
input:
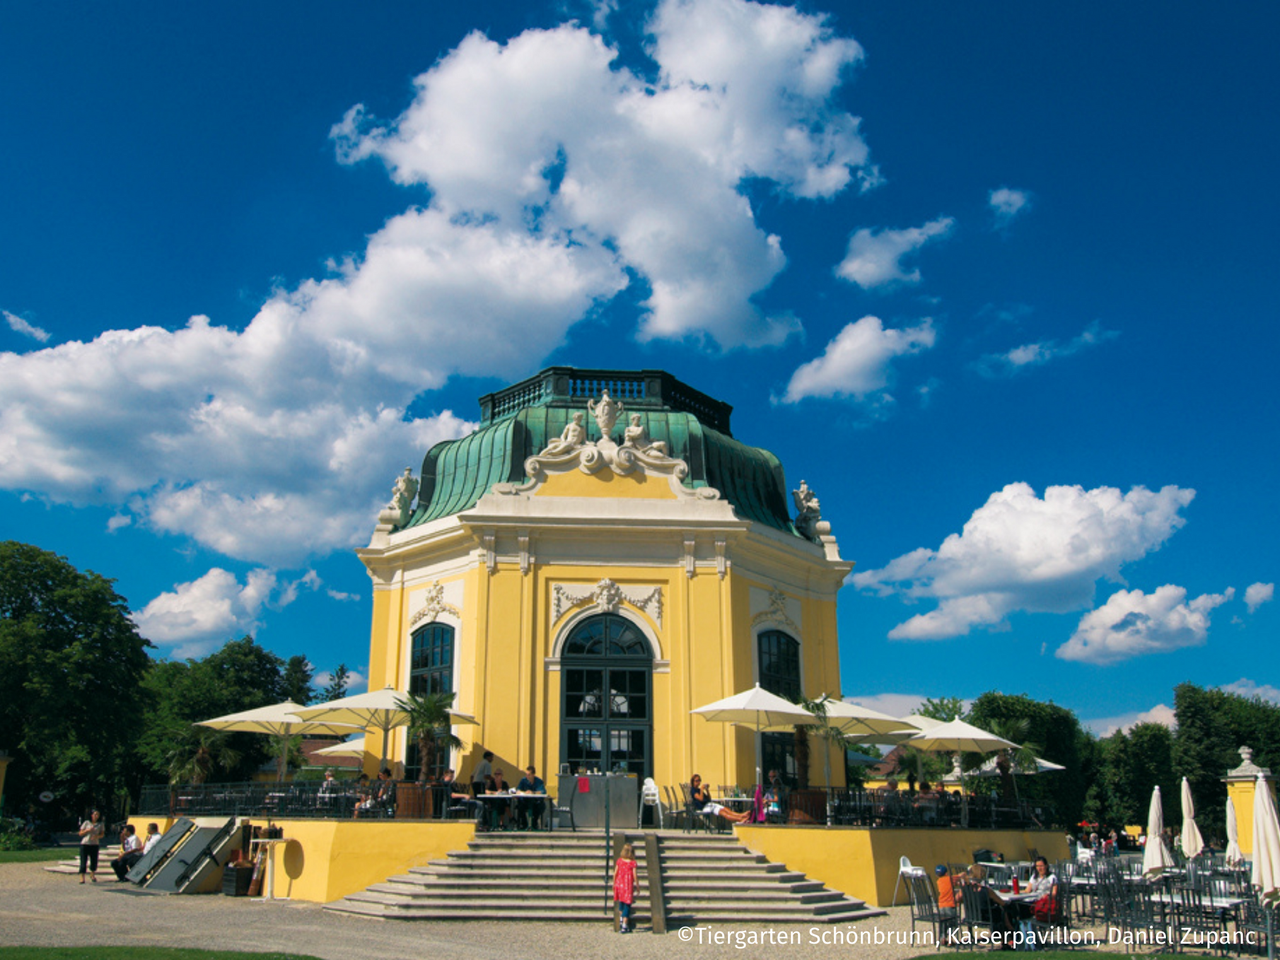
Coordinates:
column 1007, row 203
column 858, row 361
column 1256, row 594
column 1132, row 624
column 197, row 616
column 1031, row 355
column 18, row 325
column 554, row 175
column 1020, row 552
column 544, row 134
column 1160, row 713
column 874, row 257
column 1248, row 688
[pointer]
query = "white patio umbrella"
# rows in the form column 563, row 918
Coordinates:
column 1156, row 857
column 1266, row 844
column 1192, row 842
column 279, row 720
column 374, row 710
column 758, row 708
column 1233, row 855
column 989, row 769
column 957, row 736
column 348, row 748
column 858, row 721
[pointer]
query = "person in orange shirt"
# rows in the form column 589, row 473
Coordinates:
column 946, row 900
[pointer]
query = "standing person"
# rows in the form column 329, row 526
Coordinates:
column 481, row 775
column 91, row 833
column 624, row 885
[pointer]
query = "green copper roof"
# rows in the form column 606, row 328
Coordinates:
column 521, row 420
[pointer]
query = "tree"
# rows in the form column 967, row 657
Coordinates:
column 1055, row 731
column 337, row 687
column 943, row 708
column 431, row 725
column 240, row 676
column 298, row 674
column 70, row 662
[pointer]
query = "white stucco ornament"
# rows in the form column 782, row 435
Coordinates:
column 637, row 454
column 433, row 605
column 809, row 520
column 606, row 596
column 398, row 510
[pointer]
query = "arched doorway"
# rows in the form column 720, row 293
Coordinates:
column 606, row 715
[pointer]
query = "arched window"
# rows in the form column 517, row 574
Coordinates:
column 779, row 661
column 606, row 719
column 430, row 671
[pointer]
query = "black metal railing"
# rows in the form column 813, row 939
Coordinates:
column 309, row 800
column 838, row 806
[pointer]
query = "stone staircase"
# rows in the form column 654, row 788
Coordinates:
column 567, row 876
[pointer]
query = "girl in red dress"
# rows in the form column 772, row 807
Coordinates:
column 624, row 885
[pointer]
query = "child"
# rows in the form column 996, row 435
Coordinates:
column 624, row 885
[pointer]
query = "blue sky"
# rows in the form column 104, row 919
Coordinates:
column 995, row 279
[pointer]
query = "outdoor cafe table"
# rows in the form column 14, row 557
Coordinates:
column 512, row 799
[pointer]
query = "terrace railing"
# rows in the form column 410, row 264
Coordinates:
column 307, row 800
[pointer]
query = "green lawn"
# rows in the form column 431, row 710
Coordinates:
column 136, row 953
column 41, row 855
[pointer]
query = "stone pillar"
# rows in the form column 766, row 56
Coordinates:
column 1240, row 785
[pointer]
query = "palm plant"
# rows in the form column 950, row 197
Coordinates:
column 1010, row 760
column 430, row 724
column 198, row 752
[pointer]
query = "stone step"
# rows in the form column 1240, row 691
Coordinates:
column 493, row 890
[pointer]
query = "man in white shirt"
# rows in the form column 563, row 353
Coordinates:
column 153, row 837
column 130, row 852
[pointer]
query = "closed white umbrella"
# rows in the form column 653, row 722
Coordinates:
column 1266, row 844
column 760, row 709
column 1156, row 858
column 279, row 720
column 1192, row 842
column 1234, row 854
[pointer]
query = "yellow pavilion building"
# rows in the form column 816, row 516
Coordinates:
column 597, row 559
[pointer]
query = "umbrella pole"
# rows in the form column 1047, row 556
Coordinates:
column 383, row 764
column 284, row 758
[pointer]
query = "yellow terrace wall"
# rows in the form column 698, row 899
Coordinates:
column 864, row 863
column 325, row 860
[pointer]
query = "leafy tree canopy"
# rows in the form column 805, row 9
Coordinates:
column 69, row 659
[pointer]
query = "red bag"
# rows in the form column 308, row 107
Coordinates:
column 1046, row 909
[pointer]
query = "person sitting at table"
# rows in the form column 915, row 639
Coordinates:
column 377, row 797
column 452, row 794
column 1044, row 883
column 700, row 797
column 775, row 796
column 994, row 907
column 499, row 812
column 532, row 803
column 947, row 908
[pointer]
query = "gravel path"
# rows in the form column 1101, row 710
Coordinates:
column 38, row 908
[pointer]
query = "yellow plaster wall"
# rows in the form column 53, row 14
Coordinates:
column 864, row 863
column 1240, row 792
column 606, row 483
column 326, row 860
